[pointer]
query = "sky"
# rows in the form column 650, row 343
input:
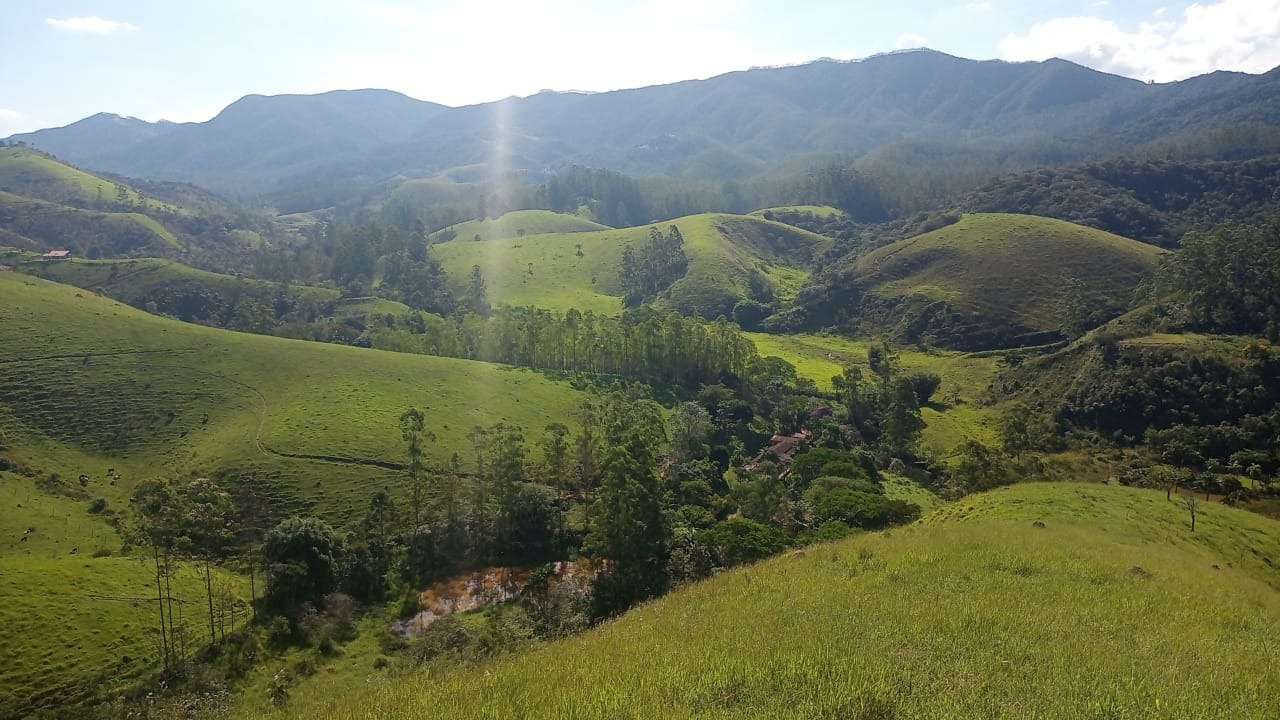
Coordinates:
column 185, row 61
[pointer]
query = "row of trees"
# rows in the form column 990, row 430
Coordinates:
column 640, row 344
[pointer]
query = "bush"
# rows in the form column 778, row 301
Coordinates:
column 856, row 503
column 741, row 540
column 826, row 532
column 749, row 314
column 97, row 505
column 446, row 635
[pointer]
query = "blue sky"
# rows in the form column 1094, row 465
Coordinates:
column 183, row 61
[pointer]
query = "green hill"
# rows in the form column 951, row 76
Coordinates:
column 89, row 383
column 997, row 280
column 731, row 257
column 1046, row 601
column 89, row 386
column 519, row 223
column 781, row 213
column 137, row 281
column 31, row 173
column 166, row 287
column 45, row 226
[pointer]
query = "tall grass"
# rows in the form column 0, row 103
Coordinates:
column 1110, row 610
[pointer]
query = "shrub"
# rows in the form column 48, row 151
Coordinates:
column 750, row 313
column 741, row 540
column 446, row 635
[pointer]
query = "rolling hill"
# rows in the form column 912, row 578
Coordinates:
column 986, row 281
column 731, row 257
column 30, row 173
column 40, row 226
column 46, row 204
column 184, row 398
column 1037, row 600
column 91, row 387
column 691, row 129
column 518, row 223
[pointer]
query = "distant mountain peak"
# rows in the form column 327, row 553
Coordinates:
column 731, row 126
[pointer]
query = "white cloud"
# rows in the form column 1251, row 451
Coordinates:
column 1242, row 35
column 10, row 115
column 90, row 24
column 513, row 47
column 978, row 6
column 911, row 40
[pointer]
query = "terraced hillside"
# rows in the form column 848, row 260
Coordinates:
column 999, row 280
column 1036, row 600
column 731, row 257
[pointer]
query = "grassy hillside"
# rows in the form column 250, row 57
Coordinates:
column 730, row 257
column 137, row 281
column 48, row 226
column 89, row 383
column 31, row 173
column 76, row 627
column 822, row 212
column 520, row 223
column 1109, row 607
column 1000, row 280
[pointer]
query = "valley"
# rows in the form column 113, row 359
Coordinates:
column 939, row 388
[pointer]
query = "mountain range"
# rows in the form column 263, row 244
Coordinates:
column 733, row 126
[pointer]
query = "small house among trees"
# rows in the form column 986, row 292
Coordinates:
column 56, row 255
column 782, row 449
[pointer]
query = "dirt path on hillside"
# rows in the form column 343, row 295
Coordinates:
column 264, row 449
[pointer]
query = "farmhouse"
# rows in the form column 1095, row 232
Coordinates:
column 783, row 448
column 56, row 255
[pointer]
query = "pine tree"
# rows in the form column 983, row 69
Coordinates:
column 628, row 531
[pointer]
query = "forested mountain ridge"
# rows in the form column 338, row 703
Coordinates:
column 1154, row 201
column 736, row 125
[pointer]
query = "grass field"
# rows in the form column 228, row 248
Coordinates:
column 1001, row 277
column 958, row 412
column 580, row 269
column 87, row 383
column 1112, row 609
column 76, row 626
